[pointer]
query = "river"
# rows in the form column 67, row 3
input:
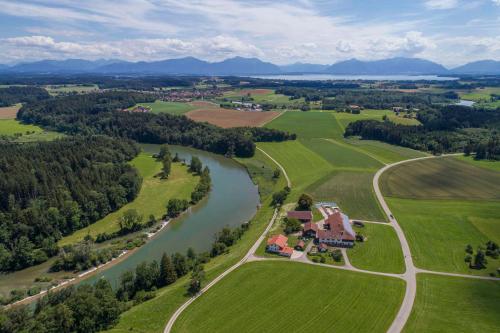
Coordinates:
column 232, row 201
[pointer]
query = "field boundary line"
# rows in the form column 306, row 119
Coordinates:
column 277, row 116
column 289, row 183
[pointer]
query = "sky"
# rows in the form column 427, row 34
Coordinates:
column 451, row 32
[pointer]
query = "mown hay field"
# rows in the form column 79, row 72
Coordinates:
column 294, row 297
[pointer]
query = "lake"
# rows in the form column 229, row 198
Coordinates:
column 326, row 77
column 232, row 201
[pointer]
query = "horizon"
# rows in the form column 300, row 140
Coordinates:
column 279, row 32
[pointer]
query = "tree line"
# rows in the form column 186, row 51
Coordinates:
column 51, row 189
column 102, row 113
column 17, row 94
column 447, row 129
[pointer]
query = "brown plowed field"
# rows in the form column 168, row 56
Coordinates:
column 9, row 112
column 231, row 118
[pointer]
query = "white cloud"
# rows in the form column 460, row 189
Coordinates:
column 496, row 2
column 441, row 4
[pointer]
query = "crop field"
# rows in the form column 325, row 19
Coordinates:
column 439, row 230
column 152, row 316
column 231, row 118
column 479, row 95
column 381, row 251
column 169, row 107
column 352, row 191
column 385, row 152
column 441, row 178
column 345, row 119
column 276, row 296
column 450, row 304
column 9, row 112
column 152, row 198
column 263, row 96
column 308, row 125
column 245, row 92
column 341, row 155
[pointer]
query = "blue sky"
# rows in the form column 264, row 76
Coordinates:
column 451, row 32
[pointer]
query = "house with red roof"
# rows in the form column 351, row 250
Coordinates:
column 338, row 231
column 301, row 215
column 278, row 244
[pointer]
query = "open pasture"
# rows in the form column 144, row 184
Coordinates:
column 71, row 88
column 308, row 125
column 487, row 164
column 12, row 127
column 9, row 112
column 152, row 198
column 175, row 108
column 303, row 166
column 450, row 304
column 352, row 191
column 278, row 293
column 231, row 118
column 385, row 152
column 441, row 178
column 245, row 92
column 439, row 230
column 380, row 252
column 341, row 155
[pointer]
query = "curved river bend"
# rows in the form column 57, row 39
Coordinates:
column 232, row 201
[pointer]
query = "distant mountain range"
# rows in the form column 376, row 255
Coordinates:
column 249, row 66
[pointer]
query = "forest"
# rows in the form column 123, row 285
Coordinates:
column 446, row 129
column 102, row 113
column 14, row 94
column 50, row 189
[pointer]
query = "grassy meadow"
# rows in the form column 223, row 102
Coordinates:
column 152, row 198
column 25, row 132
column 278, row 293
column 439, row 230
column 385, row 152
column 71, row 88
column 175, row 108
column 450, row 304
column 380, row 252
column 487, row 164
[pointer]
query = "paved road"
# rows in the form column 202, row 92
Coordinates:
column 249, row 255
column 289, row 183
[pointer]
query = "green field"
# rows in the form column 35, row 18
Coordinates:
column 380, row 252
column 439, row 230
column 450, row 304
column 303, row 166
column 341, row 155
column 152, row 198
column 384, row 152
column 308, row 125
column 175, row 108
column 491, row 165
column 152, row 316
column 268, row 98
column 26, row 133
column 71, row 88
column 441, row 178
column 293, row 297
column 352, row 191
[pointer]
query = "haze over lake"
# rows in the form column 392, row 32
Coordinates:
column 326, row 77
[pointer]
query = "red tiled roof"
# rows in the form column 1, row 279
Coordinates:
column 323, row 246
column 279, row 240
column 310, row 226
column 300, row 214
column 287, row 250
column 301, row 243
column 337, row 230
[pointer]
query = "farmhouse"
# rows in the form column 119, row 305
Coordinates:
column 310, row 230
column 300, row 245
column 338, row 231
column 278, row 244
column 303, row 216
